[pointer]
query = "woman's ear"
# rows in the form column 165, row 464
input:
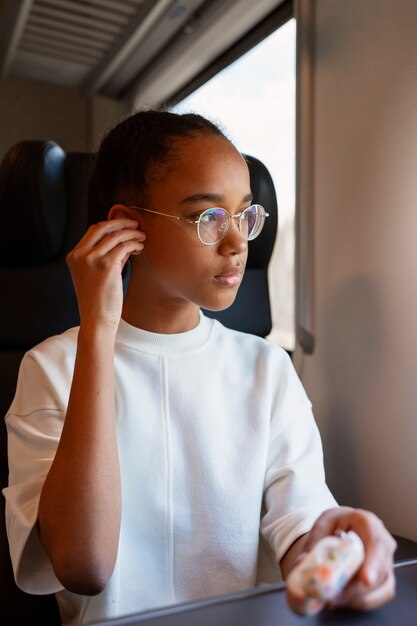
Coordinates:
column 121, row 210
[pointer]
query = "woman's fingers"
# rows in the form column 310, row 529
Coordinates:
column 97, row 231
column 96, row 264
column 113, row 246
column 374, row 583
column 105, row 245
column 380, row 547
column 326, row 524
column 103, row 237
column 361, row 597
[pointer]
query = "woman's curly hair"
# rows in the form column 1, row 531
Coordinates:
column 133, row 151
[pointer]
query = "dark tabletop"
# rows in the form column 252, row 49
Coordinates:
column 267, row 606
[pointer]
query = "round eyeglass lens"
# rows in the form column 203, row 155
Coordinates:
column 212, row 225
column 254, row 216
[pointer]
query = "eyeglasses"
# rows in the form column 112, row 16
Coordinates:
column 213, row 224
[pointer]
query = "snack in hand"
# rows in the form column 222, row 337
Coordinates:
column 325, row 571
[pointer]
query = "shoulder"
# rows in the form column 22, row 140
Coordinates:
column 63, row 342
column 45, row 375
column 250, row 346
column 53, row 356
column 267, row 365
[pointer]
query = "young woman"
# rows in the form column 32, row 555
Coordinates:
column 152, row 451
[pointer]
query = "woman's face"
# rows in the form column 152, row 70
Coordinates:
column 175, row 269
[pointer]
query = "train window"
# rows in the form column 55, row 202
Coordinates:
column 253, row 99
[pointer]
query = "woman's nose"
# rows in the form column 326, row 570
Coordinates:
column 234, row 242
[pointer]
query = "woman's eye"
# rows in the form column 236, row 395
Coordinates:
column 208, row 217
column 244, row 213
column 196, row 215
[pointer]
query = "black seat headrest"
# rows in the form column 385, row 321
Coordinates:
column 33, row 203
column 263, row 190
column 43, row 210
column 251, row 311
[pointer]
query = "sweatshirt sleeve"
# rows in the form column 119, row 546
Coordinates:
column 295, row 489
column 34, row 424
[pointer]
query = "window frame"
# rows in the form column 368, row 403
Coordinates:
column 277, row 18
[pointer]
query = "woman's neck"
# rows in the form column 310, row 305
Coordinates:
column 162, row 317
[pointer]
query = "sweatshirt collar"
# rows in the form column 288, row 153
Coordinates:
column 156, row 343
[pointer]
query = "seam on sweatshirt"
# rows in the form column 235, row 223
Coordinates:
column 169, row 526
column 278, row 430
column 29, row 413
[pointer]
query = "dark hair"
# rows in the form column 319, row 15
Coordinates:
column 133, row 151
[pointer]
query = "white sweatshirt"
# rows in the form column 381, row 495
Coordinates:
column 218, row 449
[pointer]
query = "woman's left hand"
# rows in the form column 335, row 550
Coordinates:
column 374, row 583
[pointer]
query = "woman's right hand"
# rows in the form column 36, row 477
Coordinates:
column 96, row 265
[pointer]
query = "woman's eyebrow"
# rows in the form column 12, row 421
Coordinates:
column 211, row 197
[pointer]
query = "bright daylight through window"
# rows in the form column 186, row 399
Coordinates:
column 253, row 100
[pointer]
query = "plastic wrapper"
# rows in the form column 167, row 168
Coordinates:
column 325, row 571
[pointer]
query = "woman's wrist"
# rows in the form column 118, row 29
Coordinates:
column 97, row 332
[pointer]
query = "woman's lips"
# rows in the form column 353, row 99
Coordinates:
column 229, row 280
